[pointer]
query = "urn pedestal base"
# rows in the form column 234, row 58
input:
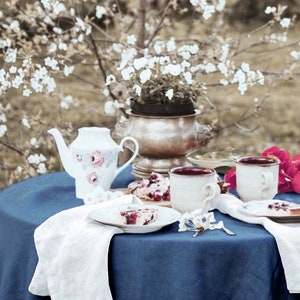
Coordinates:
column 144, row 166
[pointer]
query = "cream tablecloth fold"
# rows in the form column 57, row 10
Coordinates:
column 72, row 254
column 287, row 237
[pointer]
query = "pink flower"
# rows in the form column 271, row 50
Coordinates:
column 276, row 152
column 97, row 158
column 230, row 177
column 296, row 183
column 92, row 177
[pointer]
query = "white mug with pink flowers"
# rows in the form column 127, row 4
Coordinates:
column 92, row 158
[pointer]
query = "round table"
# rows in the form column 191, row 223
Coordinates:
column 161, row 265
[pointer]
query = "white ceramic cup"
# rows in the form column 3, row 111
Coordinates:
column 192, row 187
column 257, row 177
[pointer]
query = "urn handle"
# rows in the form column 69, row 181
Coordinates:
column 204, row 134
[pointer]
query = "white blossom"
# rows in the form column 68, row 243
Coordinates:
column 170, row 94
column 127, row 73
column 223, row 69
column 131, row 40
column 138, row 90
column 25, row 122
column 5, row 43
column 171, row 45
column 63, row 46
column 295, row 54
column 274, row 38
column 47, row 19
column 159, row 46
column 46, row 4
column 188, row 77
column 173, row 69
column 270, row 10
column 221, row 5
column 127, row 55
column 52, row 63
column 15, row 25
column 117, row 47
column 50, row 84
column 66, row 101
column 27, row 92
column 110, row 107
column 17, row 81
column 285, row 22
column 58, row 8
column 210, row 68
column 57, row 30
column 224, row 82
column 82, row 26
column 245, row 67
column 13, row 70
column 3, row 129
column 105, row 92
column 140, row 63
column 100, row 195
column 110, row 79
column 26, row 62
column 2, row 118
column 260, row 77
column 34, row 143
column 36, row 158
column 41, row 168
column 68, row 70
column 145, row 75
column 11, row 55
column 163, row 60
column 100, row 11
column 225, row 52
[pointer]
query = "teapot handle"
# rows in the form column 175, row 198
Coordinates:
column 135, row 153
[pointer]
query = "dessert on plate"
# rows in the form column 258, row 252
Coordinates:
column 154, row 188
column 138, row 216
column 285, row 208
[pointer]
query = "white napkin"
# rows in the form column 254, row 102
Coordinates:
column 287, row 237
column 73, row 253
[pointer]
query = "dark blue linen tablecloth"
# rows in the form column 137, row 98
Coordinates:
column 160, row 265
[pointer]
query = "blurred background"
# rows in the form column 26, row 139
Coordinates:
column 265, row 116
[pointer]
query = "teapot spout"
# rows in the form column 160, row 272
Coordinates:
column 63, row 150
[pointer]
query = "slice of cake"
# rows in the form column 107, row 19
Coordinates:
column 154, row 188
column 140, row 216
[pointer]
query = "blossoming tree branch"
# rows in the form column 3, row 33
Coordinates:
column 129, row 50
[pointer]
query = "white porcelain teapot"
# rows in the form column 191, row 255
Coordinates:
column 92, row 158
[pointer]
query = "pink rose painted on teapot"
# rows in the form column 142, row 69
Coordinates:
column 92, row 158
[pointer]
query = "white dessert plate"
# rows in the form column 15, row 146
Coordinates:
column 109, row 216
column 260, row 208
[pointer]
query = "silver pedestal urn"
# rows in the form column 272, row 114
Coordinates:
column 164, row 141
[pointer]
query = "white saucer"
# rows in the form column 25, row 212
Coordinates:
column 108, row 216
column 259, row 208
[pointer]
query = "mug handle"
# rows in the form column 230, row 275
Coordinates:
column 267, row 179
column 211, row 190
column 134, row 155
